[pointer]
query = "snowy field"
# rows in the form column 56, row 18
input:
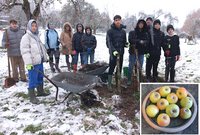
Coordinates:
column 18, row 116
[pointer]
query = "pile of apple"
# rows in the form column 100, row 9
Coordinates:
column 166, row 102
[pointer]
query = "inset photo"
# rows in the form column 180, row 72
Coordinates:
column 169, row 108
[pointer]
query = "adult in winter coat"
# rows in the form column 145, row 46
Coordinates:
column 52, row 46
column 115, row 41
column 76, row 46
column 11, row 40
column 34, row 54
column 138, row 40
column 171, row 52
column 154, row 51
column 89, row 44
column 66, row 42
column 149, row 22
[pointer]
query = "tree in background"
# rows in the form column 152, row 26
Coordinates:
column 192, row 24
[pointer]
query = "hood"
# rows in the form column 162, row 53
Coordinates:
column 90, row 30
column 67, row 23
column 137, row 26
column 29, row 26
column 121, row 26
column 78, row 25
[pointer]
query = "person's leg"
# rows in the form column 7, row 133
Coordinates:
column 167, row 69
column 57, row 58
column 92, row 58
column 130, row 67
column 172, row 69
column 14, row 65
column 112, row 64
column 85, row 58
column 149, row 64
column 22, row 69
column 67, row 61
column 155, row 68
column 82, row 58
column 51, row 64
column 75, row 62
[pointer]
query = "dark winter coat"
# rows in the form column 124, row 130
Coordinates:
column 155, row 49
column 14, row 38
column 171, row 44
column 116, row 39
column 76, row 40
column 135, row 38
column 88, row 41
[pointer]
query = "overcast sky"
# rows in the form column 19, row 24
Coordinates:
column 179, row 8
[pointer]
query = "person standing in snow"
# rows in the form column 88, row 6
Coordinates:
column 171, row 52
column 77, row 47
column 138, row 39
column 34, row 54
column 66, row 42
column 11, row 40
column 115, row 41
column 154, row 51
column 89, row 44
column 52, row 46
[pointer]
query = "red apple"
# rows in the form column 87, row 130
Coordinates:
column 152, row 110
column 172, row 110
column 163, row 120
column 154, row 97
column 181, row 92
column 172, row 98
column 162, row 104
column 185, row 113
column 164, row 91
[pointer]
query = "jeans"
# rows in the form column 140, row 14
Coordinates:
column 132, row 62
column 86, row 56
column 35, row 78
column 75, row 58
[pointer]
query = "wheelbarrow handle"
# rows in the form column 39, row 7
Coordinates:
column 50, row 82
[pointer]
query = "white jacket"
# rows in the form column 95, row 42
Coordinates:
column 32, row 49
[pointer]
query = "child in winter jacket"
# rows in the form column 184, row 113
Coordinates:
column 66, row 42
column 34, row 54
column 52, row 46
column 89, row 43
column 172, row 53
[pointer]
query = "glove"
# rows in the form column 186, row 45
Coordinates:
column 147, row 55
column 167, row 52
column 89, row 50
column 115, row 53
column 74, row 52
column 29, row 67
column 127, row 45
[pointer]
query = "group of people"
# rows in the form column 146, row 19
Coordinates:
column 146, row 40
column 25, row 48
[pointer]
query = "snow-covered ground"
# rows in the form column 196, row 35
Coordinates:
column 19, row 116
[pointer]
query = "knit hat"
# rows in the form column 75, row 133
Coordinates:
column 117, row 17
column 157, row 21
column 170, row 27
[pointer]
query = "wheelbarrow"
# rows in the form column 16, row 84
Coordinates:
column 74, row 83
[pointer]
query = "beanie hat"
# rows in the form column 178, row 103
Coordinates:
column 157, row 22
column 170, row 27
column 117, row 17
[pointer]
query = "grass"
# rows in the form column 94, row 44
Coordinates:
column 5, row 109
column 13, row 133
column 32, row 128
column 21, row 94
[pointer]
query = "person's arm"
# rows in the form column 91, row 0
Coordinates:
column 26, row 50
column 94, row 43
column 109, row 43
column 46, row 42
column 62, row 39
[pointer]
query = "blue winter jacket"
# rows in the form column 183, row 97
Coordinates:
column 51, row 39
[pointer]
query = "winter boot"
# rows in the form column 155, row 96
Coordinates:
column 109, row 82
column 57, row 67
column 40, row 91
column 33, row 99
column 52, row 68
column 172, row 75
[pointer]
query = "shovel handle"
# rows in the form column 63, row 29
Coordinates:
column 50, row 82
